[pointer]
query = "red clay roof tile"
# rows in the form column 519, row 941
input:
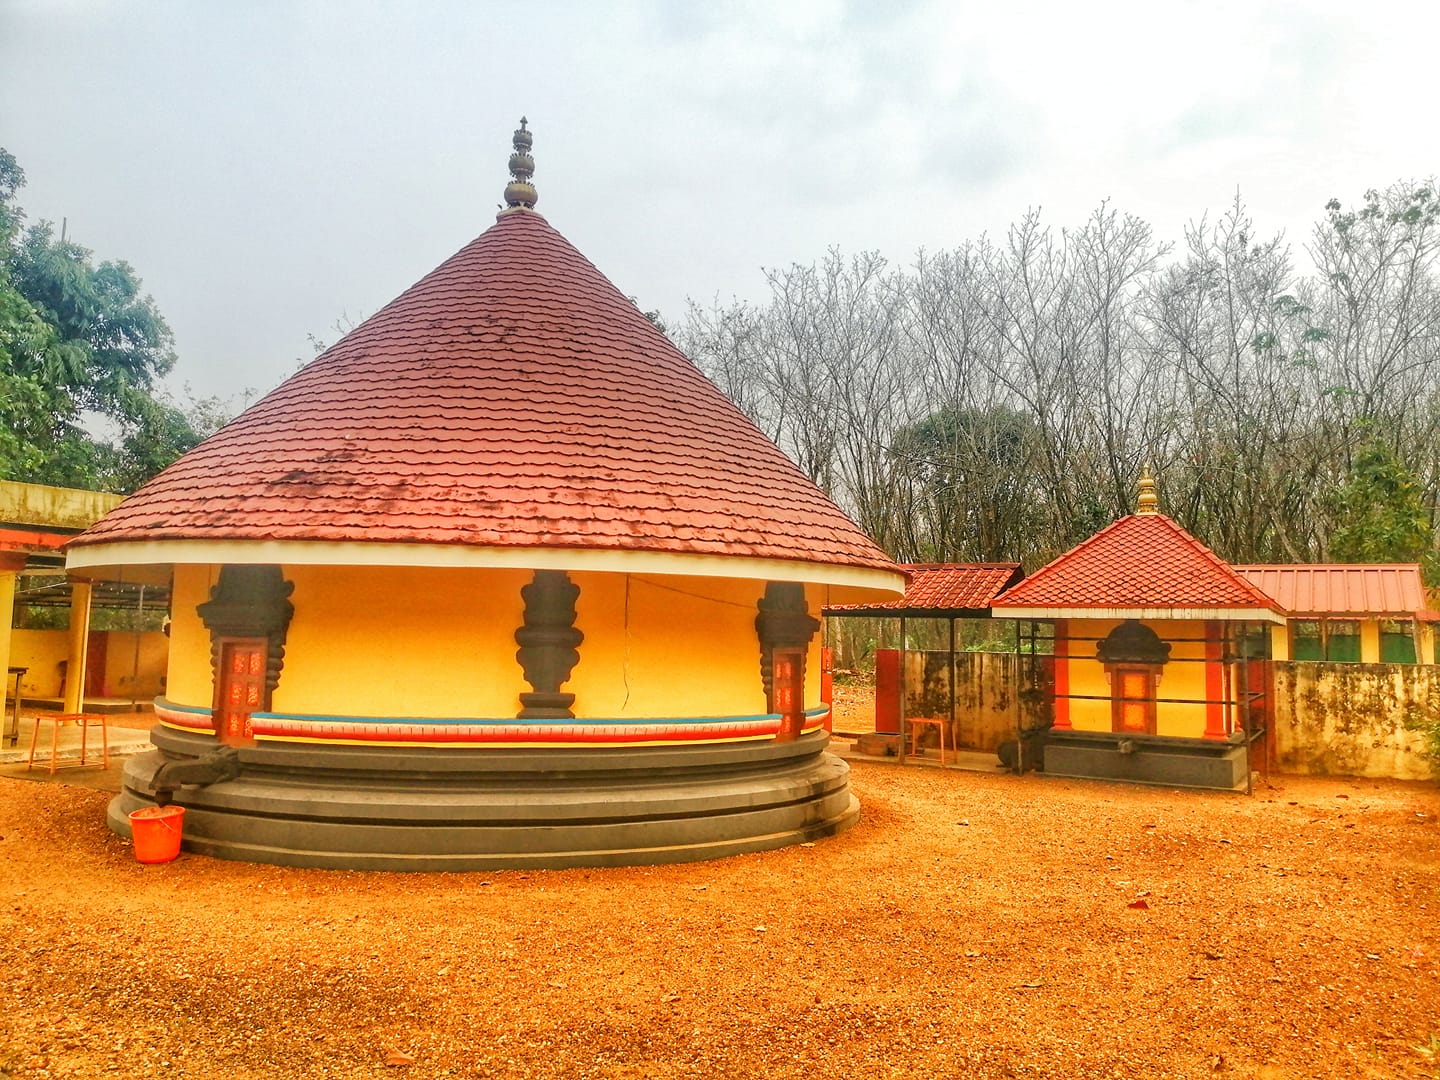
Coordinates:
column 1144, row 561
column 942, row 587
column 512, row 397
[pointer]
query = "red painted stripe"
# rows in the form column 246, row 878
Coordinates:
column 1214, row 682
column 33, row 540
column 411, row 734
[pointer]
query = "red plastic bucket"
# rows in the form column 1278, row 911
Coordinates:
column 155, row 831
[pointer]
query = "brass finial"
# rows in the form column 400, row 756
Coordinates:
column 1149, row 500
column 520, row 193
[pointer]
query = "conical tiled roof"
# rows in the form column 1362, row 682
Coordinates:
column 512, row 398
column 1144, row 565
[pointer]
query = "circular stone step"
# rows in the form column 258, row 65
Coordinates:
column 404, row 808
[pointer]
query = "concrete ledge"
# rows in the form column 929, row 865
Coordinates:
column 1148, row 759
column 416, row 809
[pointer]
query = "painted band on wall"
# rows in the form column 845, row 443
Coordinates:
column 460, row 732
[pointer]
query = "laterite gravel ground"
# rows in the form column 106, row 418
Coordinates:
column 971, row 925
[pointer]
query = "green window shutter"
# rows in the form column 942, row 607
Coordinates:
column 1305, row 641
column 1397, row 643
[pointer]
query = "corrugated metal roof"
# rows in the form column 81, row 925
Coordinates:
column 1374, row 590
column 942, row 589
column 513, row 397
column 1144, row 562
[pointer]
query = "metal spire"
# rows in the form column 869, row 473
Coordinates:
column 520, row 193
column 1149, row 500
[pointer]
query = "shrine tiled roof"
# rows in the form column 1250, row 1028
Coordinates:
column 1142, row 565
column 941, row 589
column 1356, row 590
column 513, row 397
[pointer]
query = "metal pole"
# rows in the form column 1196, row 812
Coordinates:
column 1244, row 695
column 1015, row 694
column 952, row 682
column 904, row 724
column 135, row 659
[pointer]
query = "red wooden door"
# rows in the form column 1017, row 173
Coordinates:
column 96, row 644
column 1133, row 700
column 788, row 698
column 240, row 688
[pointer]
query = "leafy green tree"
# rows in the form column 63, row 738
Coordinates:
column 973, row 468
column 80, row 345
column 1381, row 513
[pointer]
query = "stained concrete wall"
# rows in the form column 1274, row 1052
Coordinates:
column 986, row 691
column 1328, row 718
column 53, row 507
column 1354, row 719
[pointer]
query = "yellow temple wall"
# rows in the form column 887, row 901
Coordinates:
column 667, row 646
column 360, row 644
column 1184, row 677
column 402, row 641
column 189, row 680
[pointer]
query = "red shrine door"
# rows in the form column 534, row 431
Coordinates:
column 239, row 688
column 788, row 696
column 1132, row 698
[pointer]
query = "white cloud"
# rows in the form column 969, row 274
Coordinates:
column 267, row 167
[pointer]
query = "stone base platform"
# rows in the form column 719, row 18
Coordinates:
column 393, row 808
column 1221, row 764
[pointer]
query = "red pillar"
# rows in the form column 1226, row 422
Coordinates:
column 1215, row 681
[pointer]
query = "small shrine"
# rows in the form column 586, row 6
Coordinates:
column 1158, row 649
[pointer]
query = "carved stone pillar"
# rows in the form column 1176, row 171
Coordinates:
column 548, row 645
column 783, row 623
column 251, row 602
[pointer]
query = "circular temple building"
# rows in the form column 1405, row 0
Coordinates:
column 499, row 580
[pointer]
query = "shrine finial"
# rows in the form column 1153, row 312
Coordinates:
column 520, row 193
column 1149, row 500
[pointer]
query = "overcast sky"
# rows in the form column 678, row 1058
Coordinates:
column 271, row 167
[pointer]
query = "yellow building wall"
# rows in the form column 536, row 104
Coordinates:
column 129, row 673
column 1369, row 641
column 42, row 652
column 1182, row 678
column 1280, row 642
column 439, row 642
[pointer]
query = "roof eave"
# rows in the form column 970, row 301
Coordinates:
column 1219, row 614
column 881, row 611
column 119, row 560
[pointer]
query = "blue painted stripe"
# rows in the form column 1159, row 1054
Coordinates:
column 161, row 703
